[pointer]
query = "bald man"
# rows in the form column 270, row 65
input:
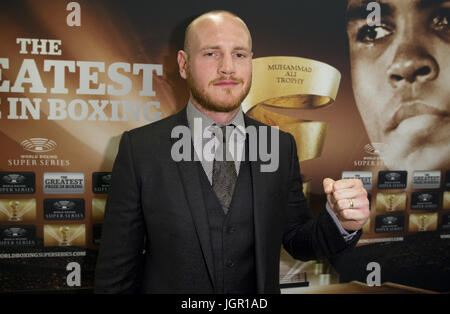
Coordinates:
column 200, row 225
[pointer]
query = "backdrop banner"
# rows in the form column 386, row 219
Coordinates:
column 362, row 96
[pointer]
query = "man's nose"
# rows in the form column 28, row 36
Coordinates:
column 226, row 66
column 412, row 64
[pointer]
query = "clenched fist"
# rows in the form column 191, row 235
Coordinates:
column 348, row 200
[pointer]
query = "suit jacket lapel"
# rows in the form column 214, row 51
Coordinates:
column 260, row 217
column 191, row 182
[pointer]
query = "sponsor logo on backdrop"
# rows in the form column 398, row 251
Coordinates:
column 392, row 179
column 424, row 200
column 373, row 150
column 427, row 179
column 16, row 236
column 63, row 183
column 64, row 209
column 389, row 223
column 364, row 176
column 38, row 145
column 17, row 183
column 40, row 153
column 101, row 182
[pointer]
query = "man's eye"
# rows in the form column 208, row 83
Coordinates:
column 209, row 54
column 240, row 55
column 440, row 21
column 369, row 34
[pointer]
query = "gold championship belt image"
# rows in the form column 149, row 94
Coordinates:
column 17, row 210
column 64, row 235
column 391, row 202
column 98, row 209
column 281, row 84
column 423, row 222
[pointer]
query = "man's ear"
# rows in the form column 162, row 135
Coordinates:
column 182, row 58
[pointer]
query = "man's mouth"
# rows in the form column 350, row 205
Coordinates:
column 413, row 109
column 226, row 82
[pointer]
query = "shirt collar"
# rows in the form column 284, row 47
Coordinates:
column 193, row 113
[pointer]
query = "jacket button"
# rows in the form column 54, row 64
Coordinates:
column 230, row 263
column 231, row 229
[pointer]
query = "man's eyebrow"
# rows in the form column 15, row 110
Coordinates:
column 424, row 4
column 210, row 47
column 359, row 10
column 218, row 47
column 241, row 48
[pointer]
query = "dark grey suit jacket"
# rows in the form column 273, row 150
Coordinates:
column 154, row 198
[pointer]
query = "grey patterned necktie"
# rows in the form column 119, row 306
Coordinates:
column 224, row 176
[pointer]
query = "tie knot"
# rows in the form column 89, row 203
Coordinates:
column 222, row 134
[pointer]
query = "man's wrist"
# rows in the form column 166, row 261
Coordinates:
column 346, row 234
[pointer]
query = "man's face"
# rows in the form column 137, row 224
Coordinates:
column 218, row 63
column 401, row 79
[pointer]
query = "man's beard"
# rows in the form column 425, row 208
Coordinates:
column 209, row 104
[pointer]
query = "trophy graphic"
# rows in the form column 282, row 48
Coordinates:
column 391, row 202
column 422, row 223
column 64, row 232
column 64, row 235
column 14, row 205
column 17, row 210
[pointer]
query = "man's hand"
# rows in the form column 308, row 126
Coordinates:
column 348, row 200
